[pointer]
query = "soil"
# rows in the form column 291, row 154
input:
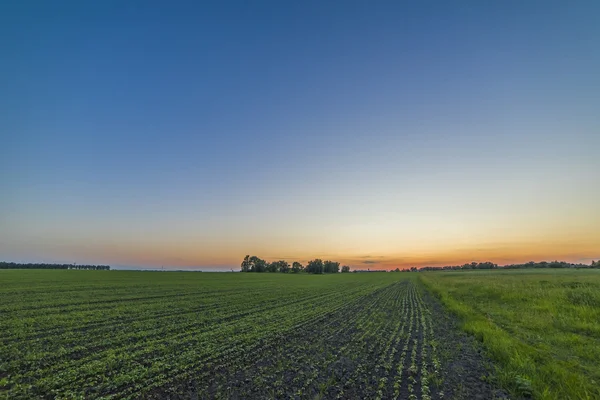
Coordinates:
column 334, row 358
column 468, row 373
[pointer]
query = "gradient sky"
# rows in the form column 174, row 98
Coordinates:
column 379, row 134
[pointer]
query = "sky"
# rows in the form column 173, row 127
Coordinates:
column 378, row 134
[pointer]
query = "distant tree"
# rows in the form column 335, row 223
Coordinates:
column 330, row 267
column 297, row 267
column 272, row 267
column 258, row 264
column 413, row 269
column 12, row 265
column 397, row 270
column 315, row 266
column 246, row 264
column 283, row 266
column 486, row 265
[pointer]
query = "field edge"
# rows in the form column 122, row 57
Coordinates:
column 519, row 368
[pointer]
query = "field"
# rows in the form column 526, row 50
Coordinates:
column 87, row 334
column 118, row 334
column 542, row 326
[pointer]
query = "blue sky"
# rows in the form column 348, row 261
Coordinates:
column 193, row 133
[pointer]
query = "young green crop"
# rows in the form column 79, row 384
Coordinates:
column 93, row 333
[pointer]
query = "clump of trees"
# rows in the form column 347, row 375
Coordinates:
column 490, row 265
column 297, row 267
column 12, row 265
column 316, row 266
column 551, row 264
column 473, row 265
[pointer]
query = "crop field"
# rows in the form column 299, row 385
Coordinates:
column 115, row 334
column 183, row 335
column 541, row 326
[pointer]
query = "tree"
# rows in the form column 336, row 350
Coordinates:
column 246, row 264
column 272, row 267
column 257, row 264
column 315, row 266
column 345, row 268
column 283, row 266
column 12, row 265
column 330, row 267
column 297, row 267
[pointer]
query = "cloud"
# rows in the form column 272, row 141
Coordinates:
column 369, row 262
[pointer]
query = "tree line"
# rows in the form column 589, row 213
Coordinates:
column 490, row 265
column 316, row 266
column 12, row 265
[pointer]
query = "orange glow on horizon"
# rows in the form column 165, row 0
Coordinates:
column 186, row 256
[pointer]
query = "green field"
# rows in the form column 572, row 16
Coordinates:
column 82, row 334
column 542, row 326
column 124, row 334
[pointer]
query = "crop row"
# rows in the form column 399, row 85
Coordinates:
column 114, row 354
column 380, row 347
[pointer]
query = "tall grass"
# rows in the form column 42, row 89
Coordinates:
column 542, row 327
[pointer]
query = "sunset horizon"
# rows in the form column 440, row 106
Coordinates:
column 413, row 135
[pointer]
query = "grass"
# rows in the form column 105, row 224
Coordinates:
column 542, row 327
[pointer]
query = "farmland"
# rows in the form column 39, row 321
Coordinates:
column 114, row 334
column 182, row 335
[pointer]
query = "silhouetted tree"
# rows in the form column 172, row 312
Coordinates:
column 297, row 267
column 330, row 267
column 272, row 267
column 246, row 264
column 283, row 266
column 315, row 266
column 345, row 268
column 257, row 264
column 11, row 265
